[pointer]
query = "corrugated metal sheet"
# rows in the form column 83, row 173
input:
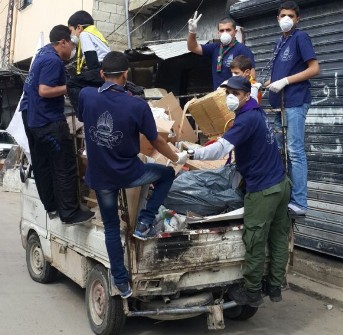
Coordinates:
column 171, row 49
column 322, row 230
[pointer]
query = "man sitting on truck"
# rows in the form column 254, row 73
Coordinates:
column 268, row 192
column 113, row 120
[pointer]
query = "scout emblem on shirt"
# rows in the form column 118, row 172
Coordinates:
column 103, row 134
column 286, row 55
column 29, row 78
column 228, row 61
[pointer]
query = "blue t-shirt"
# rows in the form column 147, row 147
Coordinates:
column 112, row 123
column 212, row 50
column 47, row 69
column 257, row 155
column 292, row 58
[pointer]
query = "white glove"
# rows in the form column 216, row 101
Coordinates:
column 182, row 157
column 257, row 85
column 278, row 85
column 193, row 23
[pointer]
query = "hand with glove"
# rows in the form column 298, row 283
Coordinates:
column 182, row 157
column 193, row 23
column 256, row 85
column 278, row 85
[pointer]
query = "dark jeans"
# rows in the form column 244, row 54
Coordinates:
column 162, row 178
column 76, row 84
column 47, row 197
column 55, row 167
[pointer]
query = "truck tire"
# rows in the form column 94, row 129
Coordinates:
column 240, row 313
column 39, row 269
column 105, row 313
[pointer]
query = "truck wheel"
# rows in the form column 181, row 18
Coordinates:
column 105, row 313
column 40, row 270
column 240, row 313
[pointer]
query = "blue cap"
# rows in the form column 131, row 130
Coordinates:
column 237, row 83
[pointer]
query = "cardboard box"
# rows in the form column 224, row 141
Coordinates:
column 182, row 127
column 163, row 128
column 211, row 113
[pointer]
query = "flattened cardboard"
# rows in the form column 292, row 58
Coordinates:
column 154, row 93
column 205, row 165
column 182, row 127
column 211, row 113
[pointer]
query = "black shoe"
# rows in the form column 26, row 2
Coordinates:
column 124, row 289
column 274, row 293
column 80, row 217
column 244, row 297
column 52, row 215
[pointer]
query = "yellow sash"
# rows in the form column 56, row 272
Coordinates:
column 80, row 61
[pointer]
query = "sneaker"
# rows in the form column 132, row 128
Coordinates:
column 296, row 211
column 142, row 231
column 244, row 297
column 52, row 215
column 274, row 293
column 124, row 290
column 80, row 217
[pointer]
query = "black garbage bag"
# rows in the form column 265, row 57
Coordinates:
column 205, row 192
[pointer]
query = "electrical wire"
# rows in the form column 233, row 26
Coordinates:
column 187, row 21
column 130, row 20
column 4, row 8
column 147, row 20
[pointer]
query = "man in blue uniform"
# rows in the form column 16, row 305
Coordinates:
column 53, row 152
column 268, row 191
column 113, row 121
column 222, row 53
column 294, row 64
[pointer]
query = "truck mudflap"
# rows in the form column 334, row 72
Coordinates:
column 215, row 318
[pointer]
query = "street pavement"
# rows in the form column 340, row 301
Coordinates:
column 27, row 307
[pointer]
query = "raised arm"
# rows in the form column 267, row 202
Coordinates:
column 192, row 43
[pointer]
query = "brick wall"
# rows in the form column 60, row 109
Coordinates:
column 108, row 16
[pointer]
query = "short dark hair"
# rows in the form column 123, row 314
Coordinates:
column 82, row 18
column 227, row 20
column 290, row 5
column 114, row 64
column 59, row 32
column 242, row 62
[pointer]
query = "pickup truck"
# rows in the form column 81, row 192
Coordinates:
column 176, row 275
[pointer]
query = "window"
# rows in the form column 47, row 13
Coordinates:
column 21, row 4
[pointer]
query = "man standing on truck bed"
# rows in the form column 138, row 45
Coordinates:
column 53, row 151
column 222, row 53
column 113, row 121
column 294, row 63
column 268, row 191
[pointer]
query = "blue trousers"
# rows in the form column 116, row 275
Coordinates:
column 297, row 161
column 162, row 178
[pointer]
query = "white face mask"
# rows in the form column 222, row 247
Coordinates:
column 73, row 53
column 232, row 102
column 286, row 24
column 74, row 39
column 225, row 38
